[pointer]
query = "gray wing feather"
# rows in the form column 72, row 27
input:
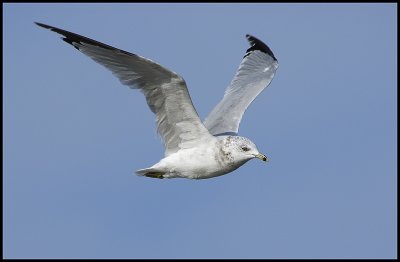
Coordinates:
column 166, row 93
column 255, row 73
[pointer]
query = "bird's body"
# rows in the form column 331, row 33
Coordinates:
column 210, row 159
column 193, row 149
column 194, row 163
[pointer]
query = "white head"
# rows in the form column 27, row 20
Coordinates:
column 241, row 149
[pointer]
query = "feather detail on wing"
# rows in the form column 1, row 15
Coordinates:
column 255, row 73
column 165, row 91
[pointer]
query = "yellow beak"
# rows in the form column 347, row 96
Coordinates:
column 262, row 157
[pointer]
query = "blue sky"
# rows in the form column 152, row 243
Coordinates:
column 73, row 135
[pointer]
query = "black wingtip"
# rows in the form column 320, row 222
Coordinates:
column 257, row 44
column 43, row 25
column 72, row 38
column 69, row 37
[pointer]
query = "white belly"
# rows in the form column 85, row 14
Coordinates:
column 194, row 163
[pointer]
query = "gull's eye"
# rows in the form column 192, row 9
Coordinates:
column 245, row 148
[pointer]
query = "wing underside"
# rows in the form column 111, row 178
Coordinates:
column 255, row 73
column 165, row 91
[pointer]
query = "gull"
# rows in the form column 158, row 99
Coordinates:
column 193, row 149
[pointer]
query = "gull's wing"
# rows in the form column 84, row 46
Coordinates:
column 167, row 96
column 254, row 74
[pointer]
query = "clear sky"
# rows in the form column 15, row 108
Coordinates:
column 73, row 135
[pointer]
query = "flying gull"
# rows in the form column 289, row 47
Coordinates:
column 193, row 149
